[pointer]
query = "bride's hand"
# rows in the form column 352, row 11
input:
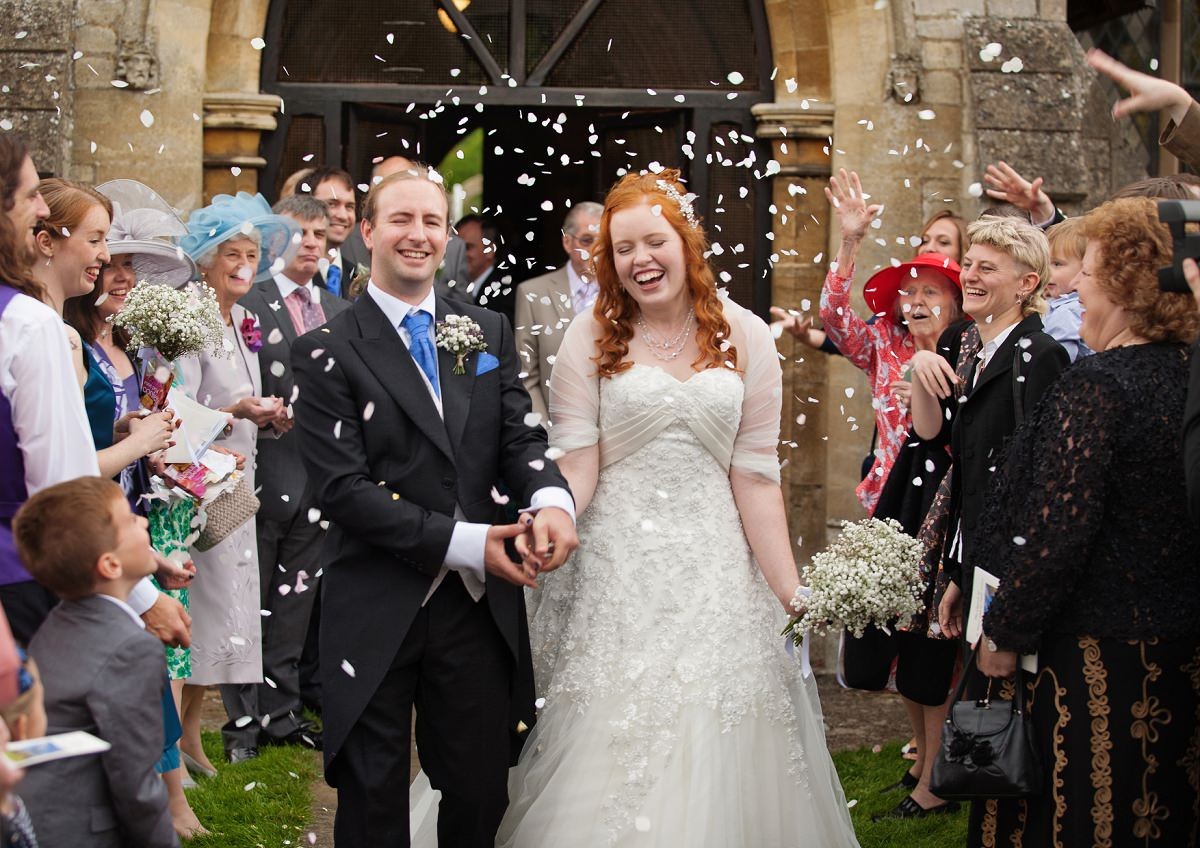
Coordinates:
column 798, row 597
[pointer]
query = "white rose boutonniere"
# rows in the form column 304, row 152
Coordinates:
column 459, row 336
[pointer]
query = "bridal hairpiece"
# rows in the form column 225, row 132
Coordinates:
column 684, row 200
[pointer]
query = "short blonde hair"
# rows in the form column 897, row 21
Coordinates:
column 1025, row 243
column 1067, row 239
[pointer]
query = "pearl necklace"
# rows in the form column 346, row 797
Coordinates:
column 668, row 349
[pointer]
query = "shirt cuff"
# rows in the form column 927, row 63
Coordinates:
column 467, row 543
column 143, row 596
column 552, row 496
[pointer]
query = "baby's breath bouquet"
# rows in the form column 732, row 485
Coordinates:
column 175, row 322
column 867, row 576
column 460, row 336
column 166, row 323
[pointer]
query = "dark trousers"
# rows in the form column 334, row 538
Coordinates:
column 454, row 667
column 26, row 605
column 285, row 548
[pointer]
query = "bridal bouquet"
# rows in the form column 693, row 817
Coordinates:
column 167, row 323
column 868, row 576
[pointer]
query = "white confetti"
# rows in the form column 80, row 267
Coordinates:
column 642, row 824
column 257, row 43
column 314, row 515
column 243, row 721
column 147, row 118
column 1013, row 65
column 277, row 368
column 735, row 78
column 346, row 667
column 975, row 190
column 533, row 419
column 926, row 114
column 250, row 785
column 1018, row 540
column 537, row 464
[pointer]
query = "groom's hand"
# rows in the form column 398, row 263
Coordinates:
column 550, row 540
column 496, row 560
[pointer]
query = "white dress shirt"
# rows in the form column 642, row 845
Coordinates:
column 124, row 606
column 988, row 350
column 38, row 379
column 583, row 290
column 468, row 540
column 475, row 289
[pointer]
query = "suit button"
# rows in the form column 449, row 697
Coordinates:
column 447, row 483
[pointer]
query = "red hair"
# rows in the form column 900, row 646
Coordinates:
column 615, row 308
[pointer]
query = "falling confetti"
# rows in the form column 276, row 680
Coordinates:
column 346, row 667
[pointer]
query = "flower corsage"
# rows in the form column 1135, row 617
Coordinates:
column 252, row 334
column 459, row 336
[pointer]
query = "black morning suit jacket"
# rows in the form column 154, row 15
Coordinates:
column 1191, row 436
column 389, row 486
column 979, row 427
column 280, row 466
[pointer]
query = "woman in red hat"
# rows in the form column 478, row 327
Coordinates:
column 915, row 301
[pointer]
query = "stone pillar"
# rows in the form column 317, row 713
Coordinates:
column 799, row 138
column 233, row 126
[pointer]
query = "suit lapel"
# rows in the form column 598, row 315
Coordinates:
column 267, row 293
column 382, row 349
column 456, row 388
column 1002, row 360
column 560, row 295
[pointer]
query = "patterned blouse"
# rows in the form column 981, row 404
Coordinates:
column 882, row 349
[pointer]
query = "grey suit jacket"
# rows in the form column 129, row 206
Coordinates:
column 280, row 465
column 103, row 674
column 542, row 313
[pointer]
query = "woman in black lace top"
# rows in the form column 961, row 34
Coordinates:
column 1088, row 529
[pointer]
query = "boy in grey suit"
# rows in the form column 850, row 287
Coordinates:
column 101, row 671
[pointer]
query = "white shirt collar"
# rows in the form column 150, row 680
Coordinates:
column 985, row 352
column 287, row 285
column 577, row 282
column 128, row 609
column 396, row 309
column 479, row 282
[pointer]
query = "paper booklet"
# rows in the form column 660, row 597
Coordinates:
column 198, row 429
column 984, row 589
column 34, row 752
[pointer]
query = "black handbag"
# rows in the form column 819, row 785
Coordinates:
column 988, row 748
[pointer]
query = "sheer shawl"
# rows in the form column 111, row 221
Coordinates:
column 750, row 445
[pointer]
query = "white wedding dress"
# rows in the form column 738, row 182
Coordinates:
column 673, row 715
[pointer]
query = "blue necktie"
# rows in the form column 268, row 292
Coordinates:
column 421, row 347
column 333, row 280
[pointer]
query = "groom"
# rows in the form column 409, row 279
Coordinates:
column 422, row 606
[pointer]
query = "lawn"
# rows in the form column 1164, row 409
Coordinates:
column 863, row 775
column 265, row 802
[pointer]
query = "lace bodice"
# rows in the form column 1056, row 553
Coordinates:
column 1087, row 520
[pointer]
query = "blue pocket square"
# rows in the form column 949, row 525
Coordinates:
column 485, row 363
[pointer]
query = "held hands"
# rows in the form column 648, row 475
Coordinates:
column 1147, row 93
column 850, row 205
column 933, row 374
column 1007, row 186
column 550, row 539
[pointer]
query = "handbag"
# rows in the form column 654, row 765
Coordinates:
column 988, row 748
column 227, row 512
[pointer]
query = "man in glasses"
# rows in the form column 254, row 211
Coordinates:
column 545, row 305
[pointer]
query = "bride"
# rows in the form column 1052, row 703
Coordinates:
column 672, row 714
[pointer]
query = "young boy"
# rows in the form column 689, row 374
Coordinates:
column 101, row 672
column 1067, row 245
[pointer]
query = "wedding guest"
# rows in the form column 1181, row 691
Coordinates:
column 1005, row 369
column 1087, row 528
column 101, row 671
column 140, row 249
column 234, row 242
column 354, row 251
column 72, row 248
column 25, row 718
column 292, row 182
column 335, row 188
column 915, row 301
column 1018, row 197
column 288, row 524
column 1064, row 314
column 545, row 305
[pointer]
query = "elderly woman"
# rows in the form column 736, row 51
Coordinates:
column 973, row 391
column 1089, row 533
column 235, row 241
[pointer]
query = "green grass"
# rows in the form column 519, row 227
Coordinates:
column 276, row 808
column 863, row 775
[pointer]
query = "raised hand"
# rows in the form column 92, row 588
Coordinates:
column 797, row 325
column 1147, row 93
column 850, row 205
column 1007, row 186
